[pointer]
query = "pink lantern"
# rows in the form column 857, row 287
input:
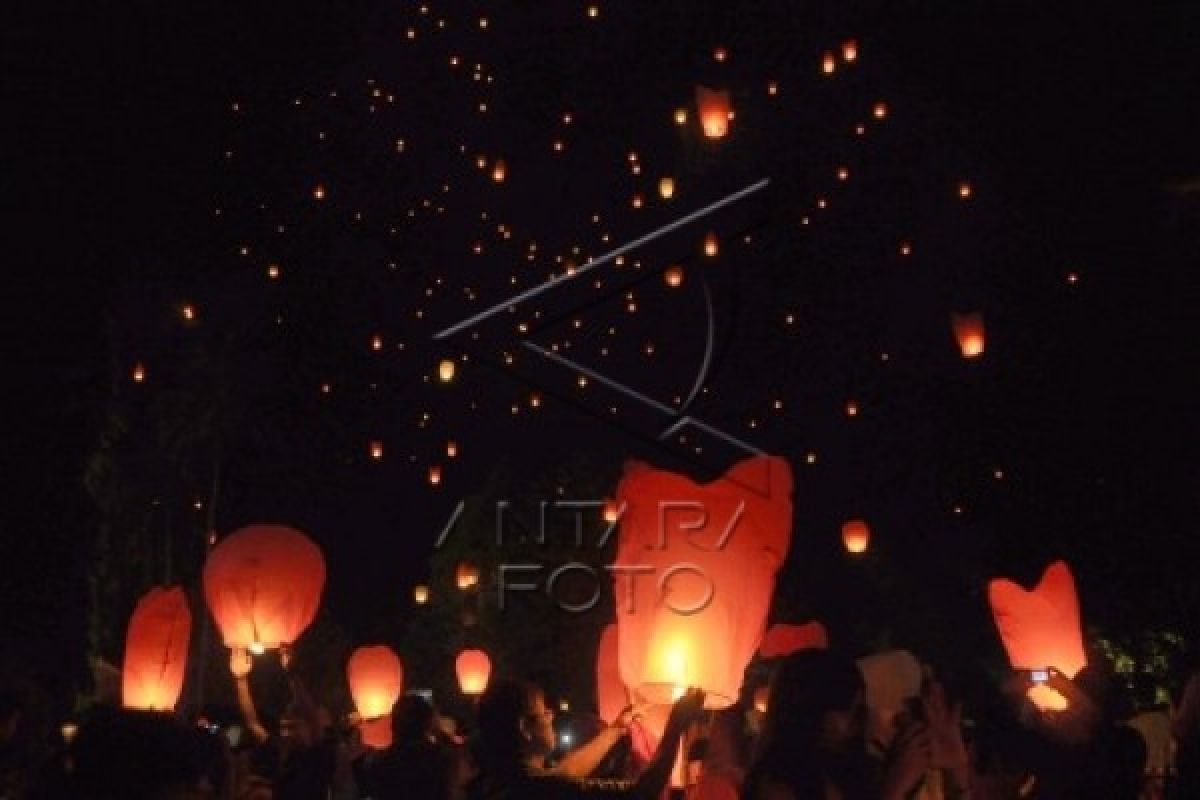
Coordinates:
column 376, row 679
column 156, row 649
column 695, row 571
column 263, row 585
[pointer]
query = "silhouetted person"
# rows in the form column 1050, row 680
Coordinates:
column 416, row 765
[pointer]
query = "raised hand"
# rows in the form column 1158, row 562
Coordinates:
column 240, row 662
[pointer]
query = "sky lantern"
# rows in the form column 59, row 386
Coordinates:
column 674, row 276
column 435, row 475
column 964, row 190
column 611, row 695
column 681, row 116
column 714, row 549
column 451, row 449
column 711, row 244
column 499, row 171
column 968, row 329
column 856, row 536
column 376, row 679
column 446, row 370
column 376, row 450
column 714, row 107
column 849, row 51
column 879, row 110
column 612, row 511
column 473, row 668
column 319, row 192
column 139, row 372
column 421, row 594
column 1040, row 627
column 263, row 585
column 782, row 640
column 828, row 63
column 466, row 575
column 666, row 187
column 156, row 649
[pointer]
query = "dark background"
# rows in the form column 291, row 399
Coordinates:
column 1083, row 115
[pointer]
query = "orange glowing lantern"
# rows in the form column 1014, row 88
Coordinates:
column 711, row 244
column 783, row 640
column 611, row 695
column 156, row 648
column 680, row 116
column 466, row 576
column 850, row 50
column 714, row 107
column 828, row 63
column 856, row 536
column 968, row 329
column 674, row 276
column 377, row 450
column 473, row 668
column 139, row 372
column 376, row 679
column 451, row 449
column 666, row 188
column 762, row 699
column 611, row 512
column 714, row 550
column 435, row 475
column 446, row 370
column 1040, row 628
column 263, row 585
column 421, row 594
column 499, row 171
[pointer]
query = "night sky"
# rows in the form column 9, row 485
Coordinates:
column 1074, row 126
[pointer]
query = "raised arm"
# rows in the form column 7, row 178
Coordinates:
column 240, row 663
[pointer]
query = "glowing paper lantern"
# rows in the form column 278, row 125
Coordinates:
column 674, row 276
column 611, row 695
column 714, row 107
column 466, row 575
column 968, row 329
column 783, row 640
column 499, row 171
column 762, row 699
column 473, row 668
column 421, row 594
column 156, row 648
column 376, row 679
column 435, row 475
column 711, row 244
column 263, row 585
column 611, row 512
column 1040, row 628
column 850, row 50
column 714, row 549
column 446, row 370
column 856, row 536
column 666, row 188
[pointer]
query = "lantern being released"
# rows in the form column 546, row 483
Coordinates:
column 705, row 558
column 263, row 585
column 376, row 679
column 156, row 648
column 473, row 668
column 611, row 695
column 1040, row 628
column 968, row 329
column 715, row 110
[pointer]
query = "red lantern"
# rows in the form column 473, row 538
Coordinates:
column 376, row 679
column 1040, row 628
column 783, row 640
column 466, row 575
column 696, row 618
column 715, row 110
column 611, row 695
column 968, row 329
column 156, row 648
column 473, row 668
column 856, row 536
column 263, row 585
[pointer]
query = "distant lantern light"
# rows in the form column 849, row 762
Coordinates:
column 843, row 173
column 466, row 575
column 473, row 668
column 828, row 63
column 711, row 244
column 272, row 271
column 435, row 475
column 421, row 594
column 850, row 50
column 720, row 54
column 611, row 512
column 1072, row 277
column 636, row 201
column 499, row 171
column 772, row 88
column 969, row 330
column 139, row 372
column 377, row 342
column 674, row 276
column 319, row 192
column 851, row 408
column 856, row 536
column 681, row 116
column 906, row 248
column 535, row 400
column 666, row 187
column 593, row 11
column 879, row 110
column 714, row 107
column 964, row 190
column 451, row 449
column 377, row 450
column 446, row 370
column 188, row 312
